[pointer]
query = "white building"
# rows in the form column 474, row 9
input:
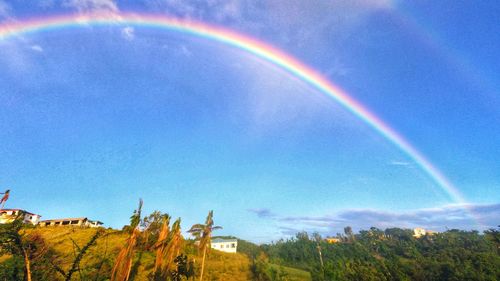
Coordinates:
column 9, row 215
column 420, row 232
column 83, row 222
column 225, row 245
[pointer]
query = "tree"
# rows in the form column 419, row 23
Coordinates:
column 4, row 198
column 260, row 268
column 123, row 265
column 184, row 268
column 161, row 244
column 168, row 249
column 152, row 225
column 203, row 233
column 493, row 235
column 348, row 232
column 26, row 246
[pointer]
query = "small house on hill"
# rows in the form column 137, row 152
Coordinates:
column 332, row 240
column 225, row 245
column 9, row 215
column 83, row 222
column 420, row 232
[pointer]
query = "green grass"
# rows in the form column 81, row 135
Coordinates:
column 294, row 274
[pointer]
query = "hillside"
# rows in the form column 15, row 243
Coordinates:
column 220, row 266
column 63, row 243
column 393, row 254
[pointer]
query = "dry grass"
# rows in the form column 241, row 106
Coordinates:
column 219, row 266
column 225, row 266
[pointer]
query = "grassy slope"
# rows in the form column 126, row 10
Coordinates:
column 219, row 266
column 294, row 274
column 63, row 239
column 225, row 266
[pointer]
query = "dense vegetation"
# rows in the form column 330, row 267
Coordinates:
column 393, row 254
column 152, row 248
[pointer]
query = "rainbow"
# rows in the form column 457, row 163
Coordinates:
column 252, row 46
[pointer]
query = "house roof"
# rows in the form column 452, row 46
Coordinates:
column 73, row 219
column 29, row 213
column 66, row 219
column 221, row 240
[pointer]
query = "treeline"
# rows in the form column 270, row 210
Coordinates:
column 391, row 254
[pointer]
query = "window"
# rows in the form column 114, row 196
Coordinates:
column 233, row 245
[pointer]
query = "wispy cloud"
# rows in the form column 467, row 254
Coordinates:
column 217, row 10
column 36, row 48
column 461, row 216
column 128, row 33
column 262, row 212
column 399, row 163
column 92, row 5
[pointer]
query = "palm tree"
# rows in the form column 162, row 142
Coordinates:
column 162, row 242
column 168, row 248
column 5, row 197
column 203, row 233
column 123, row 265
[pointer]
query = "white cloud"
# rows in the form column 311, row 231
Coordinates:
column 460, row 216
column 297, row 24
column 399, row 163
column 36, row 48
column 209, row 10
column 128, row 33
column 92, row 5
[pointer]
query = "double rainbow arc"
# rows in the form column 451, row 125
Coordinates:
column 252, row 46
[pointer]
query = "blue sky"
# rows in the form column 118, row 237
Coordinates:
column 92, row 118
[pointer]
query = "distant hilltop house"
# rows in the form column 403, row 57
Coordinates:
column 225, row 245
column 419, row 232
column 83, row 222
column 332, row 240
column 9, row 215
